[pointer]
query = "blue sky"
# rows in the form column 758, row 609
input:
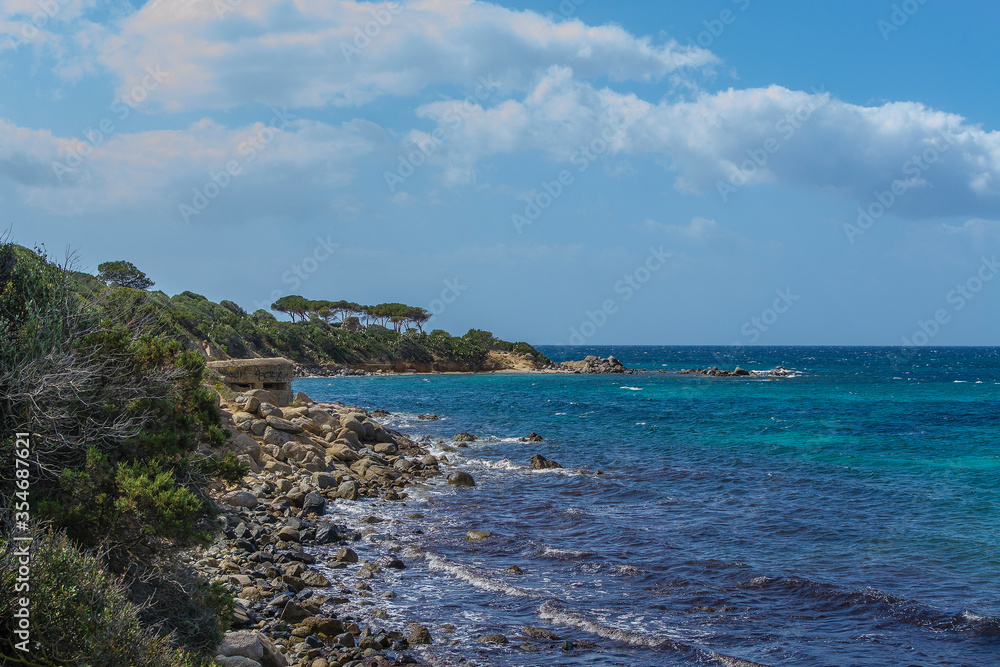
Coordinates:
column 666, row 173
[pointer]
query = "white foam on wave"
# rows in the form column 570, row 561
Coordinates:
column 631, row 388
column 565, row 553
column 550, row 611
column 476, row 577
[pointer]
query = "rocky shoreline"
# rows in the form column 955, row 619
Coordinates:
column 499, row 362
column 298, row 584
column 715, row 371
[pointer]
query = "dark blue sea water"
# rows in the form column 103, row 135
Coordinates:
column 846, row 516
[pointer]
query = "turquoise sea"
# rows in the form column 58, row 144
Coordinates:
column 844, row 516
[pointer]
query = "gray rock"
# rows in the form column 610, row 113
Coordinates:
column 242, row 644
column 477, row 535
column 273, row 436
column 288, row 534
column 257, row 427
column 419, row 634
column 347, row 555
column 266, row 409
column 294, row 613
column 346, row 639
column 283, row 424
column 539, row 462
column 461, row 479
column 348, row 490
column 240, row 499
column 314, row 503
column 464, row 437
column 303, row 398
column 356, row 427
column 252, row 404
column 324, row 480
column 236, row 661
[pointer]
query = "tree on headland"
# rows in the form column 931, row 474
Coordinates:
column 293, row 306
column 124, row 274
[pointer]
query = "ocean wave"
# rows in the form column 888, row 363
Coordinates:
column 553, row 611
column 477, row 577
column 632, row 388
column 565, row 554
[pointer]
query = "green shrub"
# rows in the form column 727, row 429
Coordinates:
column 80, row 613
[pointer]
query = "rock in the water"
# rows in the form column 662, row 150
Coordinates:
column 431, row 418
column 240, row 499
column 477, row 535
column 534, row 437
column 539, row 462
column 539, row 633
column 461, row 479
column 241, row 643
column 419, row 634
column 347, row 555
column 491, row 639
column 326, row 534
column 594, row 364
column 464, row 437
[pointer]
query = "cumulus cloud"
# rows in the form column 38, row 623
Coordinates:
column 938, row 163
column 314, row 53
column 275, row 166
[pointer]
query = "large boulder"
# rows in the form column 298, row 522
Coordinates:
column 273, row 436
column 348, row 490
column 461, row 479
column 283, row 424
column 539, row 462
column 241, row 643
column 240, row 499
column 314, row 503
column 303, row 398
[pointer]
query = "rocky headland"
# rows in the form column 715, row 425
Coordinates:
column 496, row 362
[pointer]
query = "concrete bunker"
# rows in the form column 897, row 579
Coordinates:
column 274, row 375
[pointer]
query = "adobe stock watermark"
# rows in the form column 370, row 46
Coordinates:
column 957, row 298
column 566, row 9
column 449, row 294
column 302, row 270
column 785, row 129
column 22, row 541
column 627, row 287
column 122, row 108
column 382, row 18
column 259, row 138
column 410, row 161
column 914, row 168
column 582, row 158
column 48, row 10
column 900, row 16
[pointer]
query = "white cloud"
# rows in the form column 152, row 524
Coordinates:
column 735, row 137
column 278, row 167
column 309, row 53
